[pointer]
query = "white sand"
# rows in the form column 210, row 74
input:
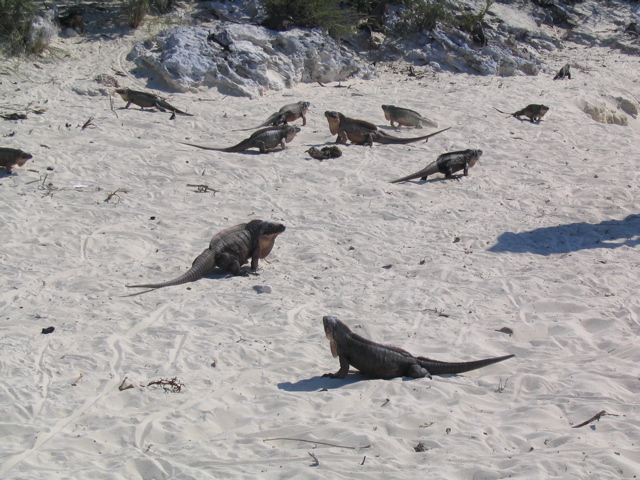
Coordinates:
column 548, row 229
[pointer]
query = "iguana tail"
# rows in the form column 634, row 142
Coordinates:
column 388, row 139
column 442, row 368
column 202, row 265
column 502, row 111
column 425, row 172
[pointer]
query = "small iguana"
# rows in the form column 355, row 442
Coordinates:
column 9, row 157
column 405, row 117
column 147, row 100
column 564, row 72
column 288, row 113
column 265, row 139
column 230, row 249
column 534, row 112
column 383, row 361
column 326, row 152
column 364, row 133
column 447, row 163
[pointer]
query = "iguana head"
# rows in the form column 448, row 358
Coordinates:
column 290, row 132
column 23, row 157
column 332, row 326
column 124, row 93
column 385, row 109
column 267, row 233
column 334, row 120
column 476, row 156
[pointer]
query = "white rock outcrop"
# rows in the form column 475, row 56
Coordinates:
column 246, row 59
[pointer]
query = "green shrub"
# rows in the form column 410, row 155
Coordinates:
column 422, row 15
column 467, row 21
column 326, row 14
column 15, row 18
column 135, row 11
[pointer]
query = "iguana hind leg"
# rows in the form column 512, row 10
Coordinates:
column 416, row 371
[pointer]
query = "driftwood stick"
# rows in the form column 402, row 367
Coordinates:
column 313, row 441
column 594, row 418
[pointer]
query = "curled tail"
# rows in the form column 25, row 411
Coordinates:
column 442, row 368
column 502, row 111
column 202, row 265
column 388, row 139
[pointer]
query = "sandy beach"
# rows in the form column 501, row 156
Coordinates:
column 534, row 253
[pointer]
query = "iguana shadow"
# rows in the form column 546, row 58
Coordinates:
column 572, row 237
column 317, row 383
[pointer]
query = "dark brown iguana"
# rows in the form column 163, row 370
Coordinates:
column 405, row 117
column 288, row 113
column 326, row 152
column 9, row 157
column 564, row 72
column 534, row 112
column 230, row 249
column 265, row 139
column 447, row 163
column 147, row 100
column 383, row 361
column 364, row 133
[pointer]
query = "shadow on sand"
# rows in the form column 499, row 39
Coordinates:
column 572, row 237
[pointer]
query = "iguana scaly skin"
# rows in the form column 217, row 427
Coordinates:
column 533, row 112
column 288, row 113
column 383, row 361
column 265, row 139
column 405, row 117
column 447, row 163
column 9, row 157
column 147, row 100
column 364, row 133
column 230, row 249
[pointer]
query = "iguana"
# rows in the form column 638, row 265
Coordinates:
column 447, row 163
column 326, row 152
column 364, row 133
column 534, row 112
column 147, row 100
column 288, row 113
column 230, row 249
column 564, row 72
column 9, row 157
column 405, row 117
column 383, row 361
column 265, row 139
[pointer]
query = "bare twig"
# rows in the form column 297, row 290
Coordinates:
column 365, row 457
column 594, row 418
column 386, row 401
column 88, row 123
column 313, row 441
column 112, row 109
column 125, row 387
column 76, row 381
column 173, row 385
column 315, row 460
column 203, row 188
column 502, row 386
column 115, row 194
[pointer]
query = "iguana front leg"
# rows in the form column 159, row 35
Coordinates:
column 344, row 369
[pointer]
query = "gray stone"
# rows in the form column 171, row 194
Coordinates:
column 246, row 59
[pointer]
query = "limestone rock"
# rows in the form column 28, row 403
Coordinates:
column 246, row 59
